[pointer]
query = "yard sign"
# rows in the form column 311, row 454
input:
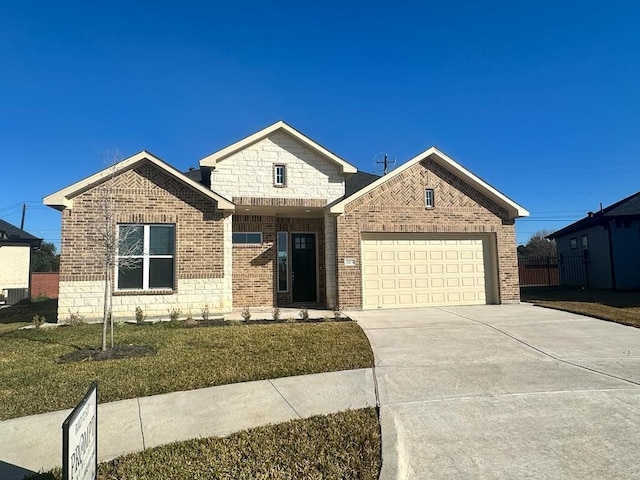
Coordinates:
column 80, row 439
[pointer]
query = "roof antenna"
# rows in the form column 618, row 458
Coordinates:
column 382, row 158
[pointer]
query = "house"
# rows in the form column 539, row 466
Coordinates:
column 15, row 262
column 607, row 244
column 277, row 219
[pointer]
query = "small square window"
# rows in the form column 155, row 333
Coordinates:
column 279, row 175
column 428, row 198
column 585, row 242
column 573, row 243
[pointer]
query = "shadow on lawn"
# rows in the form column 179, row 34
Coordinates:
column 611, row 298
column 24, row 311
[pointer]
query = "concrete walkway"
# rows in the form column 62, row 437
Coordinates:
column 505, row 392
column 34, row 443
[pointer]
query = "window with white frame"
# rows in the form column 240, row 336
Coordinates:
column 279, row 175
column 428, row 198
column 145, row 257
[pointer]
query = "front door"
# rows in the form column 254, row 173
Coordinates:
column 303, row 267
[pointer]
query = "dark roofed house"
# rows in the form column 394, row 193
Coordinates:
column 15, row 261
column 609, row 243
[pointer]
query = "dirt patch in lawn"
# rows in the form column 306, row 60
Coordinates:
column 117, row 352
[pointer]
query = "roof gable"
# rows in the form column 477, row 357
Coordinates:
column 220, row 155
column 63, row 199
column 627, row 207
column 448, row 163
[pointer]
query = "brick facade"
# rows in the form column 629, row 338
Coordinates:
column 45, row 284
column 254, row 266
column 398, row 206
column 145, row 194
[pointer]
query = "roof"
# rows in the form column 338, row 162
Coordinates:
column 220, row 155
column 64, row 198
column 625, row 208
column 358, row 181
column 11, row 234
column 447, row 162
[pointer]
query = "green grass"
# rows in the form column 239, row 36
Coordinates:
column 33, row 381
column 339, row 446
column 619, row 307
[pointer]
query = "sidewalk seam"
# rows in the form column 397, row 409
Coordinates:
column 375, row 386
column 144, row 446
column 285, row 399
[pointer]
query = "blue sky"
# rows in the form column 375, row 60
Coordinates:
column 540, row 99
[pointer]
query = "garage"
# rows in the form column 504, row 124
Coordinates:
column 406, row 270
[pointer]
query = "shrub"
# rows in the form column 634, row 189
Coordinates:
column 304, row 314
column 337, row 313
column 38, row 320
column 76, row 319
column 205, row 312
column 276, row 314
column 246, row 314
column 174, row 314
column 140, row 316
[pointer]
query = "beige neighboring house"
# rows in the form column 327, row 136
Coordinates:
column 278, row 220
column 15, row 262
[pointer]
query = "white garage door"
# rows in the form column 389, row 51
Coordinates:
column 419, row 272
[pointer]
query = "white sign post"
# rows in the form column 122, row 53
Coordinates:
column 80, row 439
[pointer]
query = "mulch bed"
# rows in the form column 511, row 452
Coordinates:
column 96, row 354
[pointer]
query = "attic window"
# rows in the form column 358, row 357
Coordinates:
column 428, row 198
column 279, row 175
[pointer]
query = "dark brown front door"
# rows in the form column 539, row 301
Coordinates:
column 303, row 267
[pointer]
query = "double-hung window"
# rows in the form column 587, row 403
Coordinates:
column 145, row 257
column 279, row 176
column 428, row 198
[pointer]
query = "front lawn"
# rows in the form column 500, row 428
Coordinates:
column 339, row 446
column 619, row 307
column 32, row 380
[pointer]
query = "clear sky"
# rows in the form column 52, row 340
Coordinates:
column 540, row 99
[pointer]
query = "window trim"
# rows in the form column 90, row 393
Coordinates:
column 573, row 243
column 145, row 256
column 234, row 236
column 584, row 242
column 286, row 257
column 429, row 198
column 276, row 168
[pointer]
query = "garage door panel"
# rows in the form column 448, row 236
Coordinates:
column 422, row 272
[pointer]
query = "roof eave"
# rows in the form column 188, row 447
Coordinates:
column 63, row 199
column 211, row 160
column 514, row 210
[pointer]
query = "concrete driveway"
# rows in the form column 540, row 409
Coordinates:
column 505, row 391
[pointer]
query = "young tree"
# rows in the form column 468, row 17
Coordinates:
column 539, row 245
column 117, row 244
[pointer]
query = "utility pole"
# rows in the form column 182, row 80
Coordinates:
column 24, row 212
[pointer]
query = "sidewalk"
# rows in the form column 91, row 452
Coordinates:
column 30, row 444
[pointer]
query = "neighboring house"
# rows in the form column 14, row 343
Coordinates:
column 276, row 220
column 607, row 244
column 15, row 262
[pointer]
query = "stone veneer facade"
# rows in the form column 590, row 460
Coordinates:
column 249, row 173
column 398, row 206
column 146, row 194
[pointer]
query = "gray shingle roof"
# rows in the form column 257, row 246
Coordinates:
column 625, row 208
column 12, row 234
